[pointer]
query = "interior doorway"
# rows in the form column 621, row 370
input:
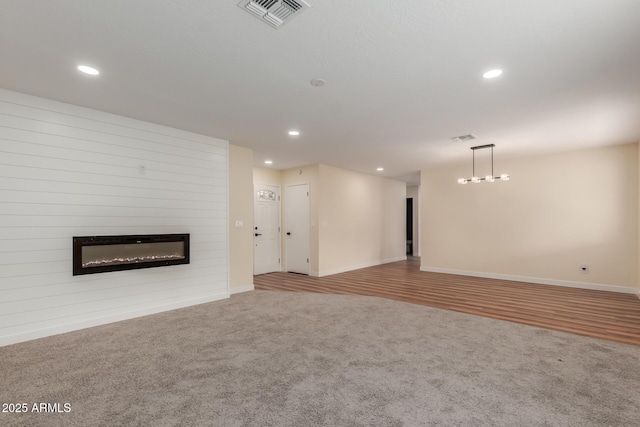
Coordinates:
column 266, row 228
column 409, row 226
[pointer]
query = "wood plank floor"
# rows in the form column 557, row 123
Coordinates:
column 600, row 314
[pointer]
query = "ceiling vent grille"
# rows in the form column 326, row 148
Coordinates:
column 274, row 12
column 464, row 138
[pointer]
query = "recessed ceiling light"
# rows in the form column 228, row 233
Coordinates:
column 294, row 133
column 268, row 162
column 380, row 169
column 88, row 70
column 492, row 74
column 318, row 82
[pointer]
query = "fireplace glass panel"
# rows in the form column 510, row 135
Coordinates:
column 93, row 256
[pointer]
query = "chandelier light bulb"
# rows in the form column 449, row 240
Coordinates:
column 462, row 181
column 475, row 180
column 489, row 178
column 504, row 177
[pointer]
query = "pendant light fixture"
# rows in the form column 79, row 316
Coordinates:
column 489, row 178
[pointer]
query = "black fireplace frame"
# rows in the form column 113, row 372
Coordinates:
column 79, row 242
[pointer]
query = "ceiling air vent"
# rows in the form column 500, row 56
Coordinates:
column 275, row 12
column 464, row 138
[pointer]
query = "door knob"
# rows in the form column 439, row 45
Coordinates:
column 288, row 233
column 258, row 234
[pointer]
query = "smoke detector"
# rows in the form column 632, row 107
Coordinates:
column 464, row 138
column 275, row 12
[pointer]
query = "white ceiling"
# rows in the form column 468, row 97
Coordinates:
column 403, row 77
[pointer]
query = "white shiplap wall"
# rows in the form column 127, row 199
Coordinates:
column 69, row 171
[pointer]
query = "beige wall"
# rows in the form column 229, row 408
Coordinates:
column 266, row 176
column 557, row 212
column 414, row 193
column 361, row 220
column 240, row 209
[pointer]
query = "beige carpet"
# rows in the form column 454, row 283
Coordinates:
column 268, row 358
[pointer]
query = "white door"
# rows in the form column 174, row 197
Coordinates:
column 297, row 232
column 266, row 228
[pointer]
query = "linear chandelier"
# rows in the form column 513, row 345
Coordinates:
column 489, row 178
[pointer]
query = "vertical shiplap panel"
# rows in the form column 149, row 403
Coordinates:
column 69, row 171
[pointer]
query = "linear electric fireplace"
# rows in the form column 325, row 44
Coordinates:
column 99, row 254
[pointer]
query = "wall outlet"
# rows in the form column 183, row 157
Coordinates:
column 584, row 269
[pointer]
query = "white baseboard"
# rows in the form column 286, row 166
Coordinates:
column 242, row 288
column 75, row 326
column 357, row 267
column 538, row 280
